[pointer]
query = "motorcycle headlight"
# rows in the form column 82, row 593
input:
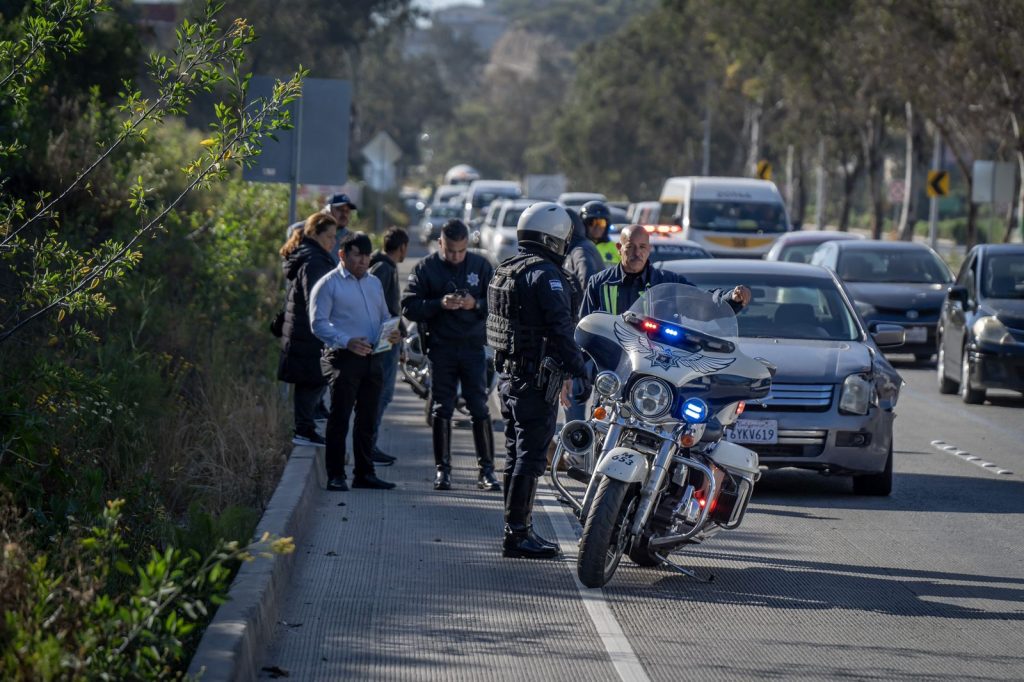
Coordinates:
column 856, row 395
column 651, row 398
column 865, row 309
column 991, row 330
column 607, row 384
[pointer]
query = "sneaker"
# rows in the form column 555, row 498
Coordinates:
column 338, row 484
column 371, row 482
column 312, row 438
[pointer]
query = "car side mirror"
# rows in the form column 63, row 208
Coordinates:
column 888, row 336
column 957, row 292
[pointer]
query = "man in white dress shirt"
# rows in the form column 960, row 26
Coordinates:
column 347, row 311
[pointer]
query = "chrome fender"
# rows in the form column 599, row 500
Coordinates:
column 623, row 464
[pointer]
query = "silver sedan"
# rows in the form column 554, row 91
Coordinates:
column 833, row 396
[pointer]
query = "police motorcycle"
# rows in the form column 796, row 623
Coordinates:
column 659, row 475
column 416, row 370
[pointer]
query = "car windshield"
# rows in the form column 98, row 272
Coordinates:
column 798, row 253
column 788, row 307
column 737, row 216
column 670, row 252
column 445, row 211
column 892, row 265
column 689, row 307
column 1003, row 276
column 511, row 217
column 485, row 197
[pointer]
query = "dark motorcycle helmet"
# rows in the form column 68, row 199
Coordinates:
column 595, row 209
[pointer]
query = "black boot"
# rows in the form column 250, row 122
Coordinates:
column 520, row 540
column 529, row 516
column 483, row 442
column 443, row 453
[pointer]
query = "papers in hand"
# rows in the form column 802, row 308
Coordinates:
column 386, row 330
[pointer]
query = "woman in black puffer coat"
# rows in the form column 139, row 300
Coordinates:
column 306, row 260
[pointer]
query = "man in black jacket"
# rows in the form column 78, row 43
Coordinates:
column 384, row 266
column 582, row 262
column 447, row 295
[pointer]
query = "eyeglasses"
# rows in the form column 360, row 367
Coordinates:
column 599, row 222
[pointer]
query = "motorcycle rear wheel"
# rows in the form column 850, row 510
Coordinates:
column 604, row 533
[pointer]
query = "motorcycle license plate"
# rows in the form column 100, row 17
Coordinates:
column 916, row 334
column 753, row 431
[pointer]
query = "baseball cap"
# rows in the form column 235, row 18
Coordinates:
column 341, row 199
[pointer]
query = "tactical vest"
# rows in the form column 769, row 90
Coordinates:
column 508, row 334
column 609, row 253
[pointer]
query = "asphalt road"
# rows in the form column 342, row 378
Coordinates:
column 817, row 583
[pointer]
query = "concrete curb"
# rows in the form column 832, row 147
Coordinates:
column 243, row 628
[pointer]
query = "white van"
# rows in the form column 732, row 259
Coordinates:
column 481, row 193
column 730, row 217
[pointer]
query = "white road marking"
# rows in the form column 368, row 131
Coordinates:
column 625, row 660
column 973, row 459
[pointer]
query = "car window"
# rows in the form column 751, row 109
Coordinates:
column 912, row 267
column 670, row 252
column 1003, row 276
column 786, row 307
column 797, row 253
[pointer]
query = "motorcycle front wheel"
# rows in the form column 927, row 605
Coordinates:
column 605, row 533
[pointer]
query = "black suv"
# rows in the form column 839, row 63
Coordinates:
column 980, row 335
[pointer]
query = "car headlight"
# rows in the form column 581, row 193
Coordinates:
column 607, row 384
column 651, row 398
column 865, row 309
column 856, row 395
column 991, row 330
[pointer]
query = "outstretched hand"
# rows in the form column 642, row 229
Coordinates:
column 741, row 295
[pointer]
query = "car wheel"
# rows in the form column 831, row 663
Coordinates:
column 969, row 394
column 946, row 385
column 876, row 485
column 923, row 358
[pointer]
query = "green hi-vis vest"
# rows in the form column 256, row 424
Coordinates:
column 609, row 253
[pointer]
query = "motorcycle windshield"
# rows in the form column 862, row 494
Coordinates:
column 689, row 308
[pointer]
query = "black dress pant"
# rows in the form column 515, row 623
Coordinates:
column 453, row 365
column 529, row 426
column 307, row 398
column 356, row 384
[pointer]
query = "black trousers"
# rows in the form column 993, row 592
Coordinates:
column 529, row 426
column 452, row 365
column 307, row 399
column 355, row 385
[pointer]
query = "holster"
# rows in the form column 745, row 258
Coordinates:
column 550, row 378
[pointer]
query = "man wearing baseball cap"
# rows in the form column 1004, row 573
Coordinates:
column 339, row 206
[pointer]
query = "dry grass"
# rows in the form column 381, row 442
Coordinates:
column 225, row 448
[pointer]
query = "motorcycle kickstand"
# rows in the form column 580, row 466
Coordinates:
column 685, row 571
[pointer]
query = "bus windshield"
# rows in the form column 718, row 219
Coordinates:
column 737, row 216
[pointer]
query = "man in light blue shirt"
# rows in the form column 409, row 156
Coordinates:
column 347, row 311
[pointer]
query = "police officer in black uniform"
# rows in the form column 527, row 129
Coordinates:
column 447, row 296
column 532, row 304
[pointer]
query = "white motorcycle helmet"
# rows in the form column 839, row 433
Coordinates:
column 546, row 224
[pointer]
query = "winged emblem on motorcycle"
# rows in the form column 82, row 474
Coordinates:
column 666, row 357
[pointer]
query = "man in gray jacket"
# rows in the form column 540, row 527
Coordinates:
column 581, row 262
column 384, row 266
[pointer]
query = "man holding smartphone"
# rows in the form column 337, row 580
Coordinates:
column 447, row 296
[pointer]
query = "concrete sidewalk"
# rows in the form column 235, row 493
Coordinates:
column 410, row 583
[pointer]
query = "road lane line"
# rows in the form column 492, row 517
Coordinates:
column 942, row 446
column 625, row 660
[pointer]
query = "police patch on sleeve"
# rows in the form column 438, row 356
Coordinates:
column 556, row 284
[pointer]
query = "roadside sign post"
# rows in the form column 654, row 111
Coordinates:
column 315, row 150
column 764, row 170
column 934, row 186
column 381, row 153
